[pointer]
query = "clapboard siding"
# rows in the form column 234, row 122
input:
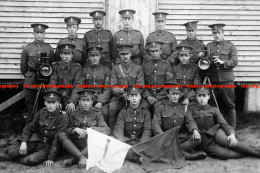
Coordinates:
column 243, row 27
column 16, row 16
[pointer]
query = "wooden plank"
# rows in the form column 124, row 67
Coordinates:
column 204, row 26
column 244, row 73
column 210, row 17
column 41, row 14
column 11, row 76
column 209, row 7
column 10, row 61
column 58, row 1
column 211, row 2
column 247, row 68
column 12, row 66
column 249, row 63
column 10, row 71
column 176, row 21
column 247, row 79
column 37, row 19
column 60, row 25
column 11, row 101
column 51, row 4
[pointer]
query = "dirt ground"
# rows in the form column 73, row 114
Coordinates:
column 245, row 165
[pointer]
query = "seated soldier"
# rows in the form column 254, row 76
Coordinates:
column 170, row 114
column 209, row 121
column 39, row 138
column 67, row 72
column 97, row 74
column 133, row 123
column 126, row 73
column 74, row 140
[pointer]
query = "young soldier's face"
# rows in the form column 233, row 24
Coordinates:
column 86, row 103
column 127, row 22
column 191, row 33
column 72, row 29
column 184, row 58
column 39, row 35
column 95, row 58
column 66, row 57
column 160, row 25
column 173, row 97
column 218, row 36
column 126, row 57
column 156, row 54
column 98, row 22
column 134, row 99
column 202, row 99
column 51, row 106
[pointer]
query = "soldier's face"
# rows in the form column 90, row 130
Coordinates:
column 173, row 97
column 134, row 99
column 203, row 99
column 66, row 57
column 218, row 36
column 72, row 29
column 156, row 54
column 191, row 33
column 160, row 25
column 98, row 22
column 126, row 57
column 39, row 35
column 85, row 103
column 51, row 106
column 184, row 58
column 95, row 58
column 127, row 22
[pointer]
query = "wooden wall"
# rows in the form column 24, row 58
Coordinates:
column 243, row 27
column 16, row 16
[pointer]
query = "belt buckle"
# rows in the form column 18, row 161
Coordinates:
column 44, row 139
column 132, row 136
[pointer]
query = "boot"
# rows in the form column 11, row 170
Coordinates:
column 194, row 156
column 247, row 149
column 68, row 162
column 232, row 118
column 4, row 156
column 74, row 151
column 82, row 162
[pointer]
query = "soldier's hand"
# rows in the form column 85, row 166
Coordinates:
column 23, row 148
column 70, row 108
column 232, row 140
column 81, row 132
column 201, row 54
column 98, row 106
column 151, row 100
column 196, row 135
column 185, row 102
column 217, row 60
column 48, row 163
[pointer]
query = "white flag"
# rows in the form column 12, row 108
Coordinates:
column 105, row 152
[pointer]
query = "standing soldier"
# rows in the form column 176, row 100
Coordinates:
column 224, row 56
column 186, row 73
column 74, row 140
column 134, row 123
column 39, row 140
column 160, row 34
column 156, row 72
column 98, row 37
column 192, row 41
column 126, row 73
column 67, row 74
column 96, row 74
column 79, row 53
column 129, row 36
column 30, row 61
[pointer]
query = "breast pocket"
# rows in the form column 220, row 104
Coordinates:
column 167, row 121
column 88, row 79
column 105, row 44
column 91, row 43
column 209, row 120
column 120, row 42
column 179, row 76
column 92, row 123
column 225, row 55
column 52, row 130
column 134, row 42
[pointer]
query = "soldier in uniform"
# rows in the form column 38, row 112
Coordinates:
column 224, row 56
column 97, row 74
column 30, row 61
column 186, row 73
column 217, row 136
column 156, row 72
column 79, row 53
column 99, row 37
column 168, row 39
column 172, row 114
column 126, row 73
column 192, row 41
column 134, row 123
column 67, row 74
column 39, row 143
column 74, row 140
column 129, row 36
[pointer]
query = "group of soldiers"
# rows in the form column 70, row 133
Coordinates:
column 130, row 114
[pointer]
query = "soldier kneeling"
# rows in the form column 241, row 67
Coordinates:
column 39, row 138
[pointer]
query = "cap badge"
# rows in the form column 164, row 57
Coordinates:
column 183, row 48
column 66, row 47
column 160, row 15
column 127, row 12
column 215, row 27
column 51, row 95
column 96, row 14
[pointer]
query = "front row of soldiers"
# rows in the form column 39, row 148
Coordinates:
column 203, row 130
